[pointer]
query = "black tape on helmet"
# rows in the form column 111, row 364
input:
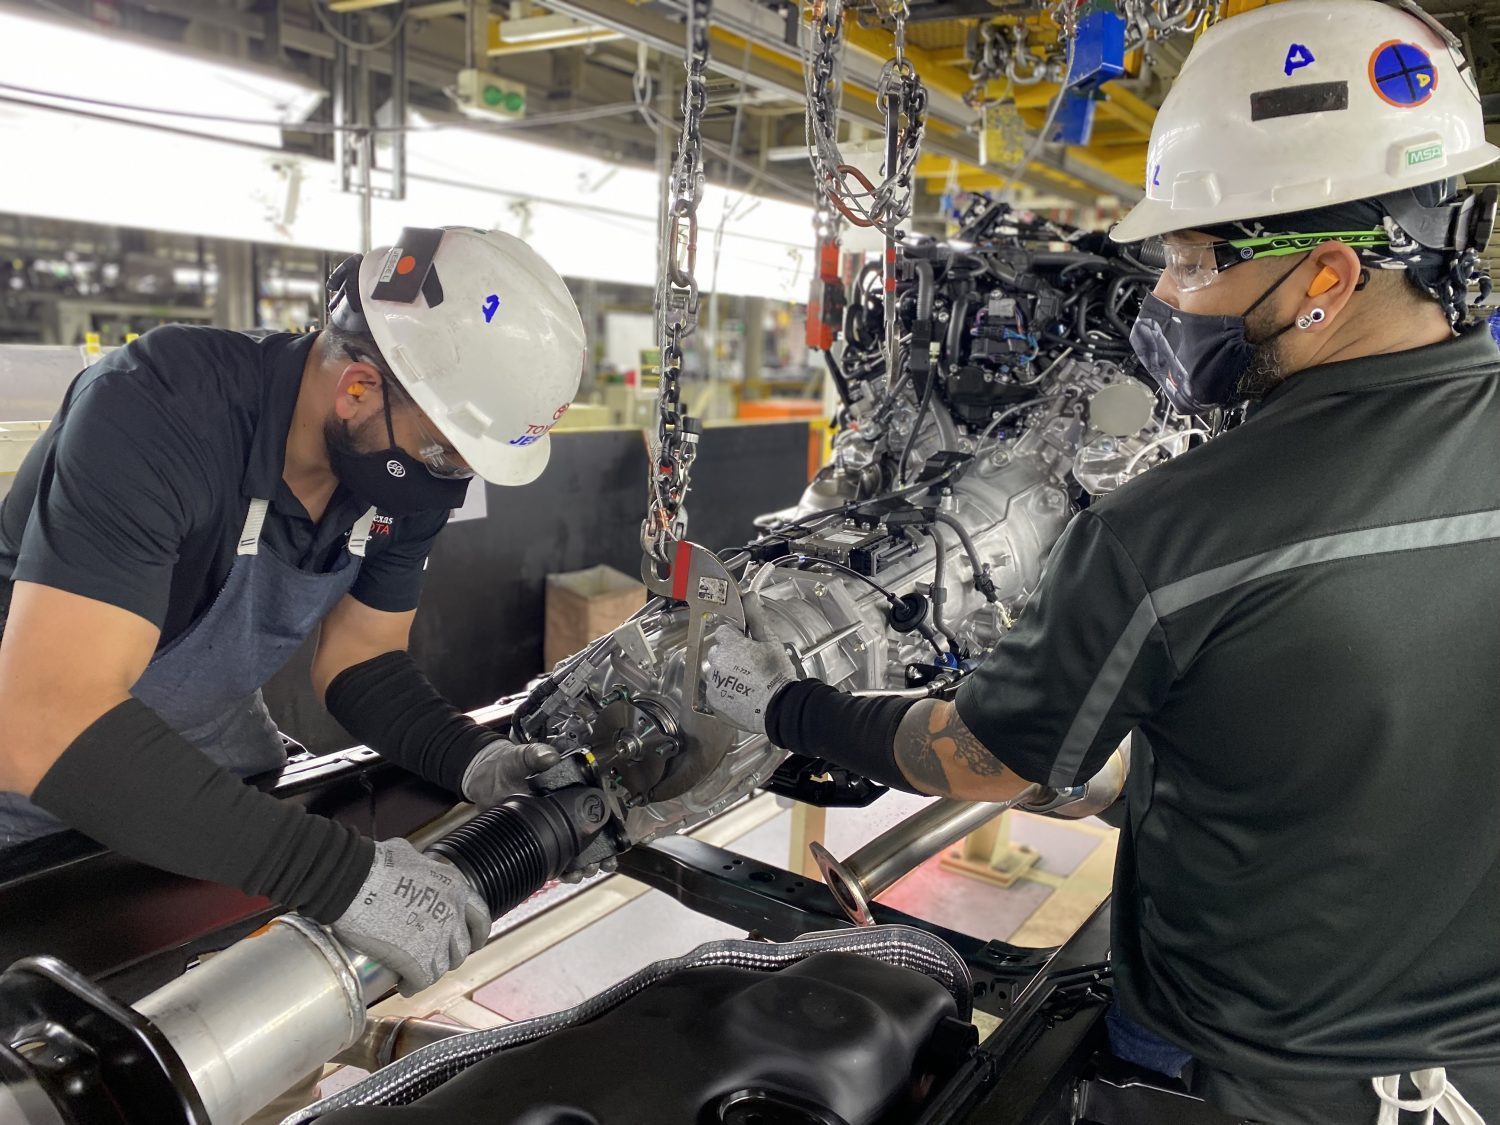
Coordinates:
column 346, row 311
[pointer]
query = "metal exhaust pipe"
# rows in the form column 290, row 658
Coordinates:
column 856, row 881
column 249, row 1022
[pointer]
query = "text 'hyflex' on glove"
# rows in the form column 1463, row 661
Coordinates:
column 742, row 675
column 416, row 915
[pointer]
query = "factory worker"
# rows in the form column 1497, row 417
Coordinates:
column 1297, row 620
column 205, row 501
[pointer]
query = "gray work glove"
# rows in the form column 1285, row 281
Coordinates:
column 742, row 675
column 501, row 769
column 415, row 915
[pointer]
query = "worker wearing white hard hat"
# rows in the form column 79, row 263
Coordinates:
column 1318, row 142
column 1292, row 622
column 1302, row 196
column 203, row 503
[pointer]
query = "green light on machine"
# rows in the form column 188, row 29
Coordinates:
column 511, row 101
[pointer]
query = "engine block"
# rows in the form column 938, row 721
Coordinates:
column 917, row 546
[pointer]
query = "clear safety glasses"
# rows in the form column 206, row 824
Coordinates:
column 437, row 456
column 1194, row 265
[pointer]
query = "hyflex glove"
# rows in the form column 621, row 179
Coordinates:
column 501, row 769
column 417, row 916
column 742, row 676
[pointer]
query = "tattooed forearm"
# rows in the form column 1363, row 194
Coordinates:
column 939, row 754
column 915, row 753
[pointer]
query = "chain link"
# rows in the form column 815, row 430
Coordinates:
column 903, row 101
column 1000, row 50
column 676, row 443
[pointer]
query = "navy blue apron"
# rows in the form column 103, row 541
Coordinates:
column 206, row 683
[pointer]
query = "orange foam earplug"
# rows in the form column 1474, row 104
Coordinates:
column 357, row 389
column 1325, row 281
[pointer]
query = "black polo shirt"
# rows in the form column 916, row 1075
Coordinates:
column 137, row 492
column 1301, row 622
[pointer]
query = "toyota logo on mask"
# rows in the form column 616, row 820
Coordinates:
column 395, row 468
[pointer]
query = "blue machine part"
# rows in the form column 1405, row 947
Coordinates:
column 1074, row 123
column 1099, row 50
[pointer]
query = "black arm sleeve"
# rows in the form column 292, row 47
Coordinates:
column 137, row 786
column 855, row 731
column 389, row 705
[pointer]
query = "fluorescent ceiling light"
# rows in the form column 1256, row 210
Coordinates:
column 83, row 66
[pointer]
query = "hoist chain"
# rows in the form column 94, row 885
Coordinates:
column 902, row 99
column 1007, row 51
column 677, row 305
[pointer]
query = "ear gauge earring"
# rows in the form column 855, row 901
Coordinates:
column 1311, row 317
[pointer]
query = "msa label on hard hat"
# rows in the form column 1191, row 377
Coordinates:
column 1402, row 74
column 1423, row 154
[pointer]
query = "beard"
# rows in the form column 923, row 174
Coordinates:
column 347, row 439
column 1265, row 370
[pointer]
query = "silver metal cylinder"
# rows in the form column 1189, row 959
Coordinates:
column 856, row 881
column 388, row 1038
column 252, row 1020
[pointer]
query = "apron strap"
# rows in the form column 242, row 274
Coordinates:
column 1434, row 1093
column 359, row 534
column 255, row 519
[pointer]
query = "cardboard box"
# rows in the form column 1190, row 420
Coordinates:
column 584, row 604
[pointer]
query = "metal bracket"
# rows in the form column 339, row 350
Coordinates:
column 696, row 577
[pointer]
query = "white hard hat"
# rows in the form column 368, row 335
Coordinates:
column 484, row 336
column 1305, row 104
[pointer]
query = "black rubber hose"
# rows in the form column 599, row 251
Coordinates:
column 840, row 383
column 956, row 325
column 510, row 851
column 926, row 289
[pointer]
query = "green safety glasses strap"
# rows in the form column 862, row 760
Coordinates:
column 1193, row 265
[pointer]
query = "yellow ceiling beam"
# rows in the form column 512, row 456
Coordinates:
column 938, row 172
column 499, row 46
column 1125, row 106
column 1123, row 164
column 949, row 56
column 930, row 167
column 878, row 42
column 356, row 5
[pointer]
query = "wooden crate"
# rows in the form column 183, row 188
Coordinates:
column 584, row 604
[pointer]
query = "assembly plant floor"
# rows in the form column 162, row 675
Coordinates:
column 571, row 942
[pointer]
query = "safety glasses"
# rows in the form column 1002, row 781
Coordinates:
column 1194, row 265
column 437, row 457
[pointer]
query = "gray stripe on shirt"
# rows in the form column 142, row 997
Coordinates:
column 1444, row 531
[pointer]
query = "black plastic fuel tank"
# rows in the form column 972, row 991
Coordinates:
column 836, row 1039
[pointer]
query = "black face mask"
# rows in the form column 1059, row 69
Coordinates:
column 390, row 479
column 1196, row 359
